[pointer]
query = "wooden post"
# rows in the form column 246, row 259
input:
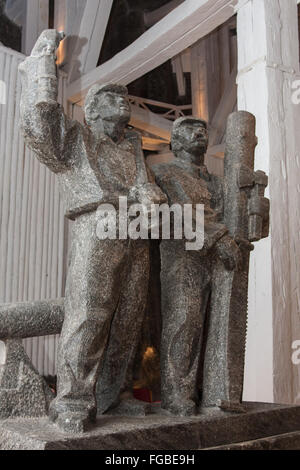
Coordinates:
column 210, row 74
column 37, row 19
column 199, row 78
column 268, row 63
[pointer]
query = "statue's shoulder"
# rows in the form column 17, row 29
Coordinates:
column 161, row 169
column 133, row 136
column 169, row 170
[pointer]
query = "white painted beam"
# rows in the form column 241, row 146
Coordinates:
column 268, row 58
column 178, row 30
column 152, row 17
column 90, row 38
column 37, row 19
column 199, row 80
column 180, row 78
column 151, row 122
column 226, row 107
column 67, row 17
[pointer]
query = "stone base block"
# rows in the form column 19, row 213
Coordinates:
column 262, row 426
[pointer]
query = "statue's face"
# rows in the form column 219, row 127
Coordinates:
column 114, row 107
column 194, row 138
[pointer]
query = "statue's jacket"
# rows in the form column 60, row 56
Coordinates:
column 186, row 183
column 91, row 170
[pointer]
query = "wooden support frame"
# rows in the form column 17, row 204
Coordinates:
column 90, row 37
column 180, row 78
column 37, row 19
column 178, row 30
column 227, row 105
column 153, row 17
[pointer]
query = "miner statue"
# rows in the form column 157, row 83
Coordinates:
column 96, row 163
column 204, row 291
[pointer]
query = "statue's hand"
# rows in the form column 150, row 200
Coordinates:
column 47, row 43
column 229, row 253
column 148, row 194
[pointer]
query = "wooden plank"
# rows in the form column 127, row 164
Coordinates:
column 155, row 145
column 67, row 18
column 37, row 19
column 151, row 122
column 226, row 107
column 152, row 17
column 178, row 30
column 199, row 79
column 225, row 55
column 206, row 76
column 180, row 78
column 90, row 37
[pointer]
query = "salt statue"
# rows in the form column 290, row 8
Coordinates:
column 204, row 292
column 95, row 164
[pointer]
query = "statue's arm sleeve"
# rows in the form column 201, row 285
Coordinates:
column 50, row 134
column 46, row 128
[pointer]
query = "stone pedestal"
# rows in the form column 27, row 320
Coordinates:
column 260, row 427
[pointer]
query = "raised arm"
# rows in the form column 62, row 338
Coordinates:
column 46, row 128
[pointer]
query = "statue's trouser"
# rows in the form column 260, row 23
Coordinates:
column 186, row 283
column 116, row 374
column 97, row 276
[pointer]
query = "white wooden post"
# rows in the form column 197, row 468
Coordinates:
column 199, row 78
column 37, row 19
column 181, row 28
column 268, row 64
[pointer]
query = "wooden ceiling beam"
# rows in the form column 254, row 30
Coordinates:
column 90, row 37
column 150, row 122
column 36, row 20
column 67, row 17
column 181, row 28
column 152, row 17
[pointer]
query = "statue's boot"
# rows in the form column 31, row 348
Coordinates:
column 73, row 420
column 186, row 283
column 127, row 405
column 180, row 407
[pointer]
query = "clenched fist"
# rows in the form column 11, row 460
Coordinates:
column 229, row 253
column 47, row 43
column 148, row 194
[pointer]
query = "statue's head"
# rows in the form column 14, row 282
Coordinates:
column 189, row 134
column 108, row 104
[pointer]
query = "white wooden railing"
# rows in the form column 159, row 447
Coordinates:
column 172, row 112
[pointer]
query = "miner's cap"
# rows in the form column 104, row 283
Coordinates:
column 188, row 120
column 106, row 88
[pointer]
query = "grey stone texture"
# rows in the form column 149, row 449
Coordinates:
column 204, row 293
column 23, row 392
column 212, row 429
column 187, row 276
column 246, row 214
column 95, row 164
column 31, row 319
